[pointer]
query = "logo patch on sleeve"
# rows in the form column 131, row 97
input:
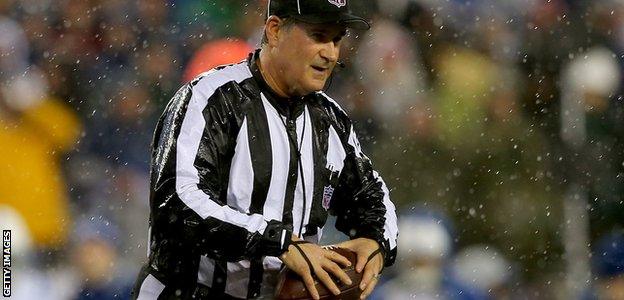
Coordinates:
column 339, row 3
column 328, row 191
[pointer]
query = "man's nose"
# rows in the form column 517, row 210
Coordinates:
column 330, row 51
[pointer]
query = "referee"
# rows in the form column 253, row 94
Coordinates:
column 249, row 159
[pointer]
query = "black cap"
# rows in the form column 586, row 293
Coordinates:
column 317, row 12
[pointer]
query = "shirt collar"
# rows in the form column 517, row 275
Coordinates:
column 289, row 107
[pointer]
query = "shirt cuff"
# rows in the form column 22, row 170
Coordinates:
column 276, row 239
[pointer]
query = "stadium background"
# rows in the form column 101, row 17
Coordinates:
column 497, row 124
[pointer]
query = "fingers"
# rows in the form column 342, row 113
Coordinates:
column 354, row 245
column 338, row 272
column 309, row 283
column 320, row 260
column 325, row 279
column 369, row 278
column 361, row 262
column 336, row 257
column 369, row 288
column 346, row 244
column 369, row 274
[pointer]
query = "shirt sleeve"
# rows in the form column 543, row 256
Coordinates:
column 189, row 182
column 363, row 207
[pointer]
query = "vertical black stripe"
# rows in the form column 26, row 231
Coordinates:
column 218, row 141
column 255, row 277
column 320, row 137
column 260, row 152
column 181, row 273
column 260, row 148
column 293, row 170
column 219, row 277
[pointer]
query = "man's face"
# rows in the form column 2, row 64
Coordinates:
column 307, row 54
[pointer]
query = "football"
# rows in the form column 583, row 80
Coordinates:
column 290, row 286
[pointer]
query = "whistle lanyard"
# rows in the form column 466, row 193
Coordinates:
column 298, row 147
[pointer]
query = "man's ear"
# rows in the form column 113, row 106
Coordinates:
column 272, row 30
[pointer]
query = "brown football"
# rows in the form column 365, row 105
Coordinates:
column 290, row 286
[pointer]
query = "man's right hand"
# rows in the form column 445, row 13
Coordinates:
column 322, row 261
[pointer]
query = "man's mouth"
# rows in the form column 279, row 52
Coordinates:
column 320, row 69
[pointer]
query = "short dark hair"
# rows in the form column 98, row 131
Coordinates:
column 286, row 23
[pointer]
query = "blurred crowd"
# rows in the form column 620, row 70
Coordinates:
column 479, row 114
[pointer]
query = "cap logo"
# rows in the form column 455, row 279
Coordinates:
column 339, row 3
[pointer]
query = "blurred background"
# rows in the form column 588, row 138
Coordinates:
column 497, row 124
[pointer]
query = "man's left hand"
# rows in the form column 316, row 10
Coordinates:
column 363, row 248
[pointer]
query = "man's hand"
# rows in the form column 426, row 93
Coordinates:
column 322, row 261
column 364, row 247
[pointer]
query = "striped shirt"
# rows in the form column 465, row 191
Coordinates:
column 236, row 170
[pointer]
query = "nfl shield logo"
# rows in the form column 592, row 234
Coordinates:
column 339, row 3
column 328, row 191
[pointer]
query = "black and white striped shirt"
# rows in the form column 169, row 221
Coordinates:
column 236, row 170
